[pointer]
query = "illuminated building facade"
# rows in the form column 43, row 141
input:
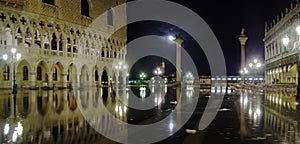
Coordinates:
column 282, row 45
column 59, row 46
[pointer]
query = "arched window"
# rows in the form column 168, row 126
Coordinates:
column 6, row 72
column 48, row 1
column 68, row 76
column 85, row 8
column 96, row 76
column 102, row 53
column 39, row 73
column 60, row 44
column 110, row 18
column 25, row 73
column 54, row 42
column 55, row 73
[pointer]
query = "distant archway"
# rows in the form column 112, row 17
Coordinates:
column 104, row 79
column 104, row 85
column 23, row 71
column 57, row 71
column 71, row 75
column 41, row 73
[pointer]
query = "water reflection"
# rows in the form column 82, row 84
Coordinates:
column 282, row 117
column 53, row 116
column 251, row 110
column 65, row 116
column 272, row 117
column 69, row 116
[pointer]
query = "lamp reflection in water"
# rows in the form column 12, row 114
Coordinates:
column 189, row 93
column 15, row 57
column 12, row 130
column 250, row 106
column 143, row 92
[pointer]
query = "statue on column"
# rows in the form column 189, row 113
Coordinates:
column 243, row 31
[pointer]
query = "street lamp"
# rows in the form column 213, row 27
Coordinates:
column 157, row 71
column 142, row 76
column 255, row 65
column 15, row 57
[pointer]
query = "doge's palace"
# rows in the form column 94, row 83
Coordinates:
column 59, row 45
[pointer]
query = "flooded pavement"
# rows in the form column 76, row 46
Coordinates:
column 78, row 116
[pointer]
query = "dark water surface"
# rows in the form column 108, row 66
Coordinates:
column 70, row 116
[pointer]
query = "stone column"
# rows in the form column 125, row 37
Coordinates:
column 243, row 39
column 109, row 52
column 100, row 79
column 71, row 45
column 50, row 79
column 57, row 45
column 118, row 55
column 92, row 79
column 78, row 80
column 13, row 39
column 32, row 79
column 116, row 89
column 64, row 80
column 50, row 42
column 298, row 78
column 105, row 52
column 64, row 47
column 23, row 40
column 178, row 43
column 32, row 39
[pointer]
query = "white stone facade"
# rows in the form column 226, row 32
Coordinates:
column 282, row 61
column 57, row 44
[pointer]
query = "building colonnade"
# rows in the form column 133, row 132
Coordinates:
column 57, row 52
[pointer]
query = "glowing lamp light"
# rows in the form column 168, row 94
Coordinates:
column 171, row 38
column 255, row 61
column 298, row 30
column 258, row 65
column 5, row 56
column 250, row 65
column 19, row 129
column 6, row 129
column 13, row 50
column 14, row 136
column 285, row 40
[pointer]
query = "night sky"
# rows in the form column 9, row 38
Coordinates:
column 226, row 18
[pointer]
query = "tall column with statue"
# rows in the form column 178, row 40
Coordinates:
column 243, row 39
